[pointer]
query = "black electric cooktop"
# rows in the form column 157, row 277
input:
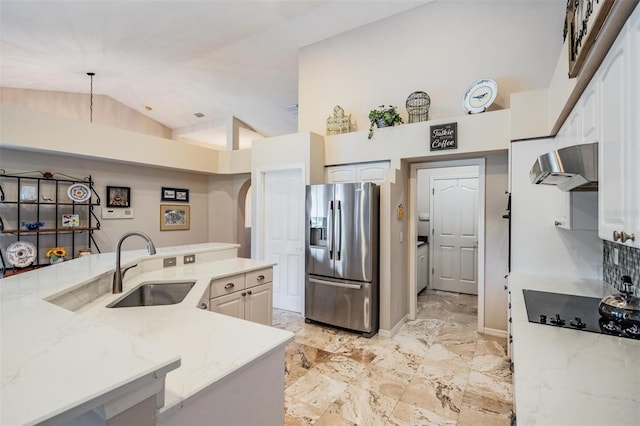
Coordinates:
column 574, row 312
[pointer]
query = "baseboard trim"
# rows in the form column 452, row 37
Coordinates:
column 495, row 332
column 394, row 330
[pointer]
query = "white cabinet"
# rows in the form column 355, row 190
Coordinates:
column 577, row 210
column 246, row 296
column 361, row 172
column 619, row 156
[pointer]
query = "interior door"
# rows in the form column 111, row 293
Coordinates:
column 455, row 234
column 284, row 214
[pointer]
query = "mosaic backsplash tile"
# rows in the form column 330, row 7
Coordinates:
column 628, row 264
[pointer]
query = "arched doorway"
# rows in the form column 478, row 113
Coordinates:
column 244, row 220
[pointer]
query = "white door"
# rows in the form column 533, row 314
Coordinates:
column 284, row 236
column 455, row 234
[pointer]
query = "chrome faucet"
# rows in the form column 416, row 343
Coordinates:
column 117, row 277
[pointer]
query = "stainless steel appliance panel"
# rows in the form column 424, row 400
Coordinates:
column 355, row 214
column 319, row 233
column 343, row 303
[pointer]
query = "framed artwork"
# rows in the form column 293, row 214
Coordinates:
column 175, row 194
column 118, row 196
column 174, row 217
column 70, row 220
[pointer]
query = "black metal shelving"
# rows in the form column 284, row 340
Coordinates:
column 42, row 196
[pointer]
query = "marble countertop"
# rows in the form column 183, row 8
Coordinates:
column 568, row 377
column 57, row 363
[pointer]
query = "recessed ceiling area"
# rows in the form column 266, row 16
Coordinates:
column 216, row 137
column 220, row 58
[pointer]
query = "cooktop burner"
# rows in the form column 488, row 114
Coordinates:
column 575, row 312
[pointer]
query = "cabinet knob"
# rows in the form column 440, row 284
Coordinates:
column 625, row 237
column 230, row 285
column 557, row 223
column 616, row 235
column 244, row 293
column 203, row 306
column 260, row 277
column 249, row 293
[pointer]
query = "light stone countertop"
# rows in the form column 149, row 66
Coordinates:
column 57, row 363
column 568, row 377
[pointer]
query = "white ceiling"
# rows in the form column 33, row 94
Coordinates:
column 220, row 58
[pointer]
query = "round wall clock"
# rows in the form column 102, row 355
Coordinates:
column 480, row 95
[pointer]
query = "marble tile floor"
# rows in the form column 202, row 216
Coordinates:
column 436, row 370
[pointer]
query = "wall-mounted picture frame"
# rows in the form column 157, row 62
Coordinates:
column 118, row 196
column 174, row 217
column 174, row 194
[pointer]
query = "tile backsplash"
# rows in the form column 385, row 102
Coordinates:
column 628, row 264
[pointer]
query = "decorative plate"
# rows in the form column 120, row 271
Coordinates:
column 21, row 254
column 480, row 95
column 79, row 192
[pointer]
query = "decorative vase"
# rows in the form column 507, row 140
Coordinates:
column 55, row 259
column 381, row 123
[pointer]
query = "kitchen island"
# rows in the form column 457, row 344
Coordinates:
column 66, row 356
column 569, row 377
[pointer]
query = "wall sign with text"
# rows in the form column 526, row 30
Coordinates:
column 585, row 19
column 443, row 136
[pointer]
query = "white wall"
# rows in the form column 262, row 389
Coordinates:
column 537, row 246
column 223, row 207
column 440, row 48
column 145, row 184
column 76, row 105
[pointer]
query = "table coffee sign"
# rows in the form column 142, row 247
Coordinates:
column 443, row 137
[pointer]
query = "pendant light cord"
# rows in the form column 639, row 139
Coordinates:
column 91, row 74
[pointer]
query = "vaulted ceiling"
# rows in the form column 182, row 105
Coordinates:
column 219, row 58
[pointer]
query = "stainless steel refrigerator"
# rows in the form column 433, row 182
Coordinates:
column 342, row 286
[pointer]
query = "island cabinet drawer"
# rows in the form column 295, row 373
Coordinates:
column 259, row 277
column 228, row 285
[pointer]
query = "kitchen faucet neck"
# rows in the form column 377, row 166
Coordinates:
column 117, row 278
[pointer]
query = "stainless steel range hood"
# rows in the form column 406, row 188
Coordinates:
column 574, row 168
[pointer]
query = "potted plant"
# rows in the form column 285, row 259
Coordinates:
column 384, row 116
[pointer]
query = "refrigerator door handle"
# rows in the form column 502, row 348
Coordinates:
column 330, row 230
column 335, row 284
column 339, row 226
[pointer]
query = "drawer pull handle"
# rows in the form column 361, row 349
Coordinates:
column 260, row 277
column 230, row 285
column 624, row 237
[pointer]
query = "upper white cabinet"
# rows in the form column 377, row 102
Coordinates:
column 578, row 210
column 361, row 172
column 619, row 156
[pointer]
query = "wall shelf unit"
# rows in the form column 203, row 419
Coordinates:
column 69, row 220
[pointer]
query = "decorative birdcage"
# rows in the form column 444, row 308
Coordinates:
column 418, row 104
column 338, row 122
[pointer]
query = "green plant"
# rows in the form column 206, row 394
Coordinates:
column 388, row 114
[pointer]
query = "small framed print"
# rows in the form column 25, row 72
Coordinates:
column 175, row 194
column 118, row 196
column 174, row 217
column 70, row 220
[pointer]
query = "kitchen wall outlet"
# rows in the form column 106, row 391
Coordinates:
column 189, row 258
column 169, row 261
column 108, row 213
column 616, row 259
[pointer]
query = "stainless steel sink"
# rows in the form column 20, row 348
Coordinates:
column 154, row 294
